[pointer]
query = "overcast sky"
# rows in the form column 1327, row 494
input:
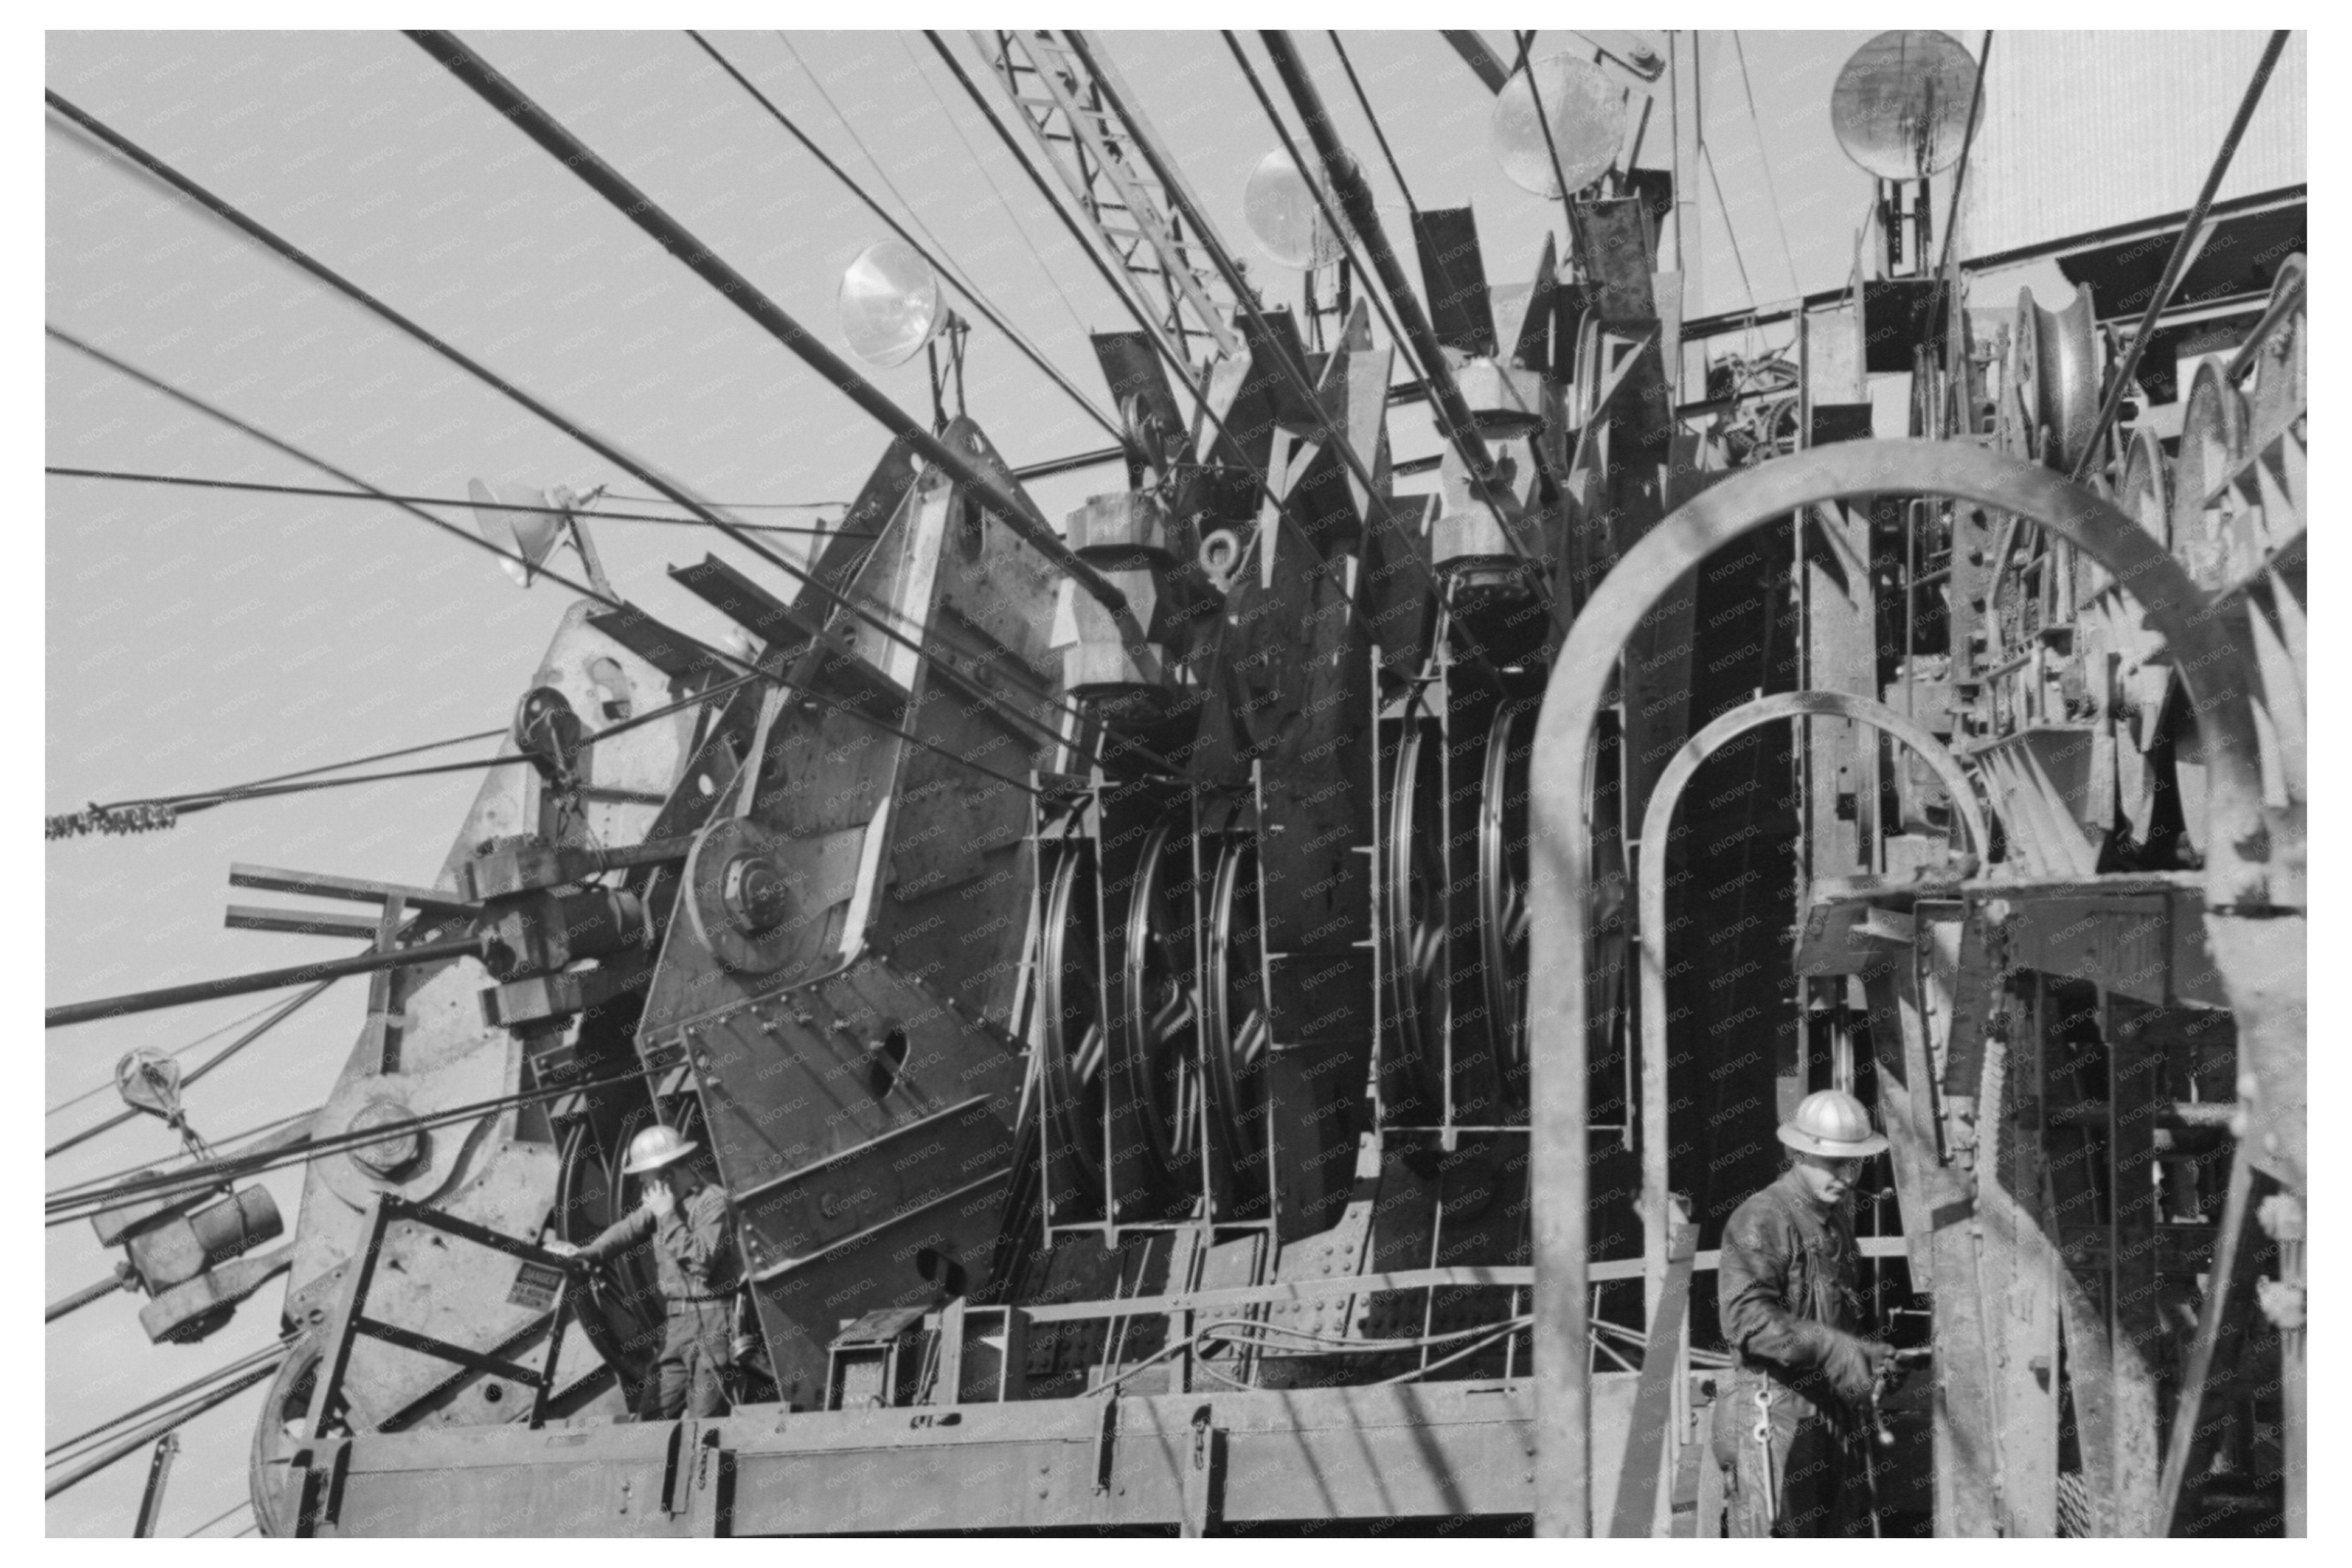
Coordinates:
column 196, row 639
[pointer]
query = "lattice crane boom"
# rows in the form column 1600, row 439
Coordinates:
column 1054, row 81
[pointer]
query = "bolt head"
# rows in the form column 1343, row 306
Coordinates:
column 397, row 1155
column 755, row 893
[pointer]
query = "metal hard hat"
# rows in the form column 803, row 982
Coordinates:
column 654, row 1148
column 1832, row 1124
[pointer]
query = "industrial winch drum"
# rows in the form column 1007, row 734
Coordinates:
column 1413, row 934
column 1070, row 1001
column 1233, row 1014
column 1501, row 895
column 1162, row 1026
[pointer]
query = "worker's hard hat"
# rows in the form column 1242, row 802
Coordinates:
column 654, row 1147
column 1832, row 1124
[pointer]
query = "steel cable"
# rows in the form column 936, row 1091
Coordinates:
column 1765, row 158
column 260, row 488
column 210, row 1035
column 1462, row 440
column 978, row 301
column 167, row 1422
column 1069, row 305
column 279, row 1013
column 530, row 119
column 477, row 541
column 1182, row 371
column 220, row 1517
column 676, row 495
column 1021, row 156
column 234, row 1168
column 1363, row 102
column 247, row 1138
column 189, row 1389
column 1947, row 276
column 2177, row 265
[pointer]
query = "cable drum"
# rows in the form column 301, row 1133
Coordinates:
column 1161, row 1038
column 1414, row 928
column 1502, row 893
column 1235, row 1023
column 1070, row 1000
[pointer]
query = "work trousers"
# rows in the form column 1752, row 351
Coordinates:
column 1807, row 1480
column 698, row 1348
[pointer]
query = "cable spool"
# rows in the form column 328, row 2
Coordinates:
column 1503, row 892
column 1413, row 934
column 1070, row 1003
column 1161, row 1038
column 1234, row 1023
column 2055, row 364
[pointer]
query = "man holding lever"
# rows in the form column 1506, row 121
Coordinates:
column 1787, row 1428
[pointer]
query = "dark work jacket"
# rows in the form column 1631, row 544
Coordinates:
column 694, row 1248
column 1787, row 1264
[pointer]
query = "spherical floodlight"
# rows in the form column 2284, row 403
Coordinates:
column 1284, row 217
column 889, row 303
column 1587, row 111
column 534, row 535
column 1900, row 108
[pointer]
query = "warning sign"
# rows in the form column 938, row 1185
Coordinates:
column 535, row 1286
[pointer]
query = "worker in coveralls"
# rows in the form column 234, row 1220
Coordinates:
column 1788, row 1432
column 694, row 1255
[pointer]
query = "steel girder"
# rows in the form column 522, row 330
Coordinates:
column 1190, row 1461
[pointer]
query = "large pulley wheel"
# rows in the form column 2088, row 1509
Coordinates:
column 737, row 899
column 1070, row 999
column 283, row 1426
column 1503, row 891
column 1233, row 1022
column 1413, row 930
column 1161, row 1032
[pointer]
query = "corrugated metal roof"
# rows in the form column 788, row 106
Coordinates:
column 2084, row 131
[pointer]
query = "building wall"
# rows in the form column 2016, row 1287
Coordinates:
column 2084, row 131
